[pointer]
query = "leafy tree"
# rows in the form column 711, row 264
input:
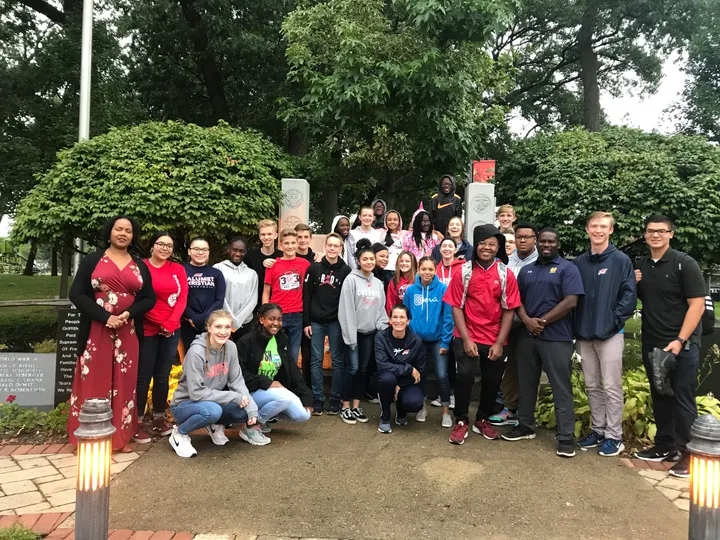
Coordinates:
column 567, row 51
column 700, row 112
column 558, row 179
column 183, row 178
column 396, row 94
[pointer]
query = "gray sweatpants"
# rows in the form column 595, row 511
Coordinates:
column 555, row 357
column 602, row 368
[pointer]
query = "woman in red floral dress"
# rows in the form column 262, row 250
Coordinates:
column 112, row 290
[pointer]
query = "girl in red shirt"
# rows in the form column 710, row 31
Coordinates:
column 161, row 327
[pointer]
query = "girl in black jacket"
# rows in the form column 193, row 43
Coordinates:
column 400, row 357
column 272, row 377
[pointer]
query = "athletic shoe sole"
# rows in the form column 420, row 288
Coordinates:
column 459, row 442
column 401, row 423
column 528, row 437
column 351, row 421
column 565, row 454
column 585, row 447
column 385, row 432
column 679, row 475
column 140, row 440
column 254, row 443
column 319, row 413
column 164, row 433
column 362, row 420
column 658, row 459
column 476, row 430
column 507, row 422
column 620, row 449
column 333, row 413
column 177, row 449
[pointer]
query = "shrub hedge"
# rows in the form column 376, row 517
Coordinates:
column 21, row 327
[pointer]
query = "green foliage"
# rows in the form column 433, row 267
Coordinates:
column 638, row 420
column 386, row 97
column 558, row 179
column 45, row 347
column 18, row 532
column 215, row 182
column 21, row 327
column 16, row 287
column 15, row 421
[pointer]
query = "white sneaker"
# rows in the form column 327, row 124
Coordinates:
column 253, row 435
column 181, row 444
column 436, row 402
column 421, row 415
column 217, row 434
column 452, row 401
column 446, row 421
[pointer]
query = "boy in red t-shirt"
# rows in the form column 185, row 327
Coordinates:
column 284, row 286
column 483, row 297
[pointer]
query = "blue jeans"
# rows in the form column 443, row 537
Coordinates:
column 432, row 349
column 293, row 328
column 356, row 367
column 337, row 352
column 191, row 415
column 279, row 402
column 157, row 354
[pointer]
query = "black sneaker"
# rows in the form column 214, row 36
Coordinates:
column 347, row 416
column 682, row 468
column 566, row 449
column 334, row 408
column 519, row 433
column 657, row 453
column 318, row 408
column 359, row 415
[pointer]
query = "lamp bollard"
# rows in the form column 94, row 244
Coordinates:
column 705, row 478
column 92, row 498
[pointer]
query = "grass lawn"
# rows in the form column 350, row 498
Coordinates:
column 16, row 287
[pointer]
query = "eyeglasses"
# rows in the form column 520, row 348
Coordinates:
column 162, row 245
column 656, row 232
column 200, row 250
column 524, row 237
column 491, row 245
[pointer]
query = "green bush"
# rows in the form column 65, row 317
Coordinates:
column 45, row 347
column 21, row 327
column 15, row 420
column 18, row 532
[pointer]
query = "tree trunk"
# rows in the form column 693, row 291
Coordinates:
column 208, row 64
column 297, row 143
column 589, row 67
column 388, row 192
column 53, row 262
column 330, row 208
column 65, row 268
column 30, row 263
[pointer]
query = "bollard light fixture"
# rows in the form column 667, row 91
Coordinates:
column 92, row 497
column 705, row 478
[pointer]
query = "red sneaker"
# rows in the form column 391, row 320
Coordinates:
column 141, row 435
column 485, row 428
column 459, row 433
column 163, row 426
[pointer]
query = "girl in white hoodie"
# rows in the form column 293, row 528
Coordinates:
column 365, row 230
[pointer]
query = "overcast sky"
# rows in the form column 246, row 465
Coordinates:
column 644, row 112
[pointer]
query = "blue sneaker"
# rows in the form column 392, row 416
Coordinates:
column 591, row 441
column 334, row 407
column 318, row 408
column 611, row 447
column 384, row 426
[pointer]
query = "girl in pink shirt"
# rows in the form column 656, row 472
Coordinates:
column 405, row 271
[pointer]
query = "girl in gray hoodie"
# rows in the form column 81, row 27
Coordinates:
column 201, row 400
column 361, row 314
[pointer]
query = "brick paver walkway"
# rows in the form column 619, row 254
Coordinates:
column 675, row 489
column 42, row 478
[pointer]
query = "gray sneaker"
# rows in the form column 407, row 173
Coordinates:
column 421, row 415
column 254, row 436
column 384, row 427
column 447, row 421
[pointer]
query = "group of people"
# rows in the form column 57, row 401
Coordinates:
column 393, row 304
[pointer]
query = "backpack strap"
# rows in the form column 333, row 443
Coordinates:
column 466, row 273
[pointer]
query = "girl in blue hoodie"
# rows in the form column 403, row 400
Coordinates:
column 431, row 319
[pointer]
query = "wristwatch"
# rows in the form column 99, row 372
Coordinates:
column 682, row 341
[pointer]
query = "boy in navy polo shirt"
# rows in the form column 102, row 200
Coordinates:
column 549, row 291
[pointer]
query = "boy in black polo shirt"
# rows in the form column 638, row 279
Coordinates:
column 672, row 290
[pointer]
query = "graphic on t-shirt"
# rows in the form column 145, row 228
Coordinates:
column 271, row 362
column 290, row 281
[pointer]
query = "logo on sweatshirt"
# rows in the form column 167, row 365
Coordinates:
column 602, row 271
column 401, row 352
column 328, row 279
column 218, row 369
column 419, row 300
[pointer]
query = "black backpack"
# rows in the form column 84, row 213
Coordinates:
column 708, row 318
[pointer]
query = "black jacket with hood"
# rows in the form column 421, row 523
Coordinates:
column 412, row 357
column 251, row 350
column 610, row 294
column 321, row 291
column 445, row 207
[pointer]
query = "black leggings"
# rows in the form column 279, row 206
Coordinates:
column 157, row 354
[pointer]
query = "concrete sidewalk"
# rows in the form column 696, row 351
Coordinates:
column 330, row 480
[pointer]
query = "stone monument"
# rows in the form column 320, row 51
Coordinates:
column 480, row 197
column 295, row 205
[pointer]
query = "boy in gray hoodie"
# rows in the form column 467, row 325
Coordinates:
column 212, row 392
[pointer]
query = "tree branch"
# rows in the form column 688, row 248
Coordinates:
column 42, row 7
